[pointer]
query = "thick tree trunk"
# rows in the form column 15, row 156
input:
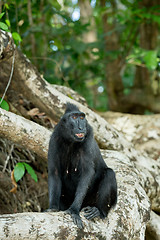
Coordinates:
column 142, row 96
column 87, row 17
column 148, row 40
column 148, row 32
column 113, row 81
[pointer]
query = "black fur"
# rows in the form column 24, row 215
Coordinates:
column 78, row 176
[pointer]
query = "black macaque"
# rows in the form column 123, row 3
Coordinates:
column 77, row 174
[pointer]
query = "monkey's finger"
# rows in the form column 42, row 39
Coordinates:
column 87, row 209
column 92, row 213
column 77, row 221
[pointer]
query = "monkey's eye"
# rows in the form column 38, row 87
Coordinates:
column 74, row 116
column 81, row 117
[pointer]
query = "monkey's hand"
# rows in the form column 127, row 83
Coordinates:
column 76, row 218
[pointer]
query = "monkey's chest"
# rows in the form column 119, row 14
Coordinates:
column 71, row 173
column 71, row 166
column 71, row 163
column 70, row 176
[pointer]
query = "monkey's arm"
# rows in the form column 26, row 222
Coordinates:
column 54, row 177
column 54, row 187
column 81, row 191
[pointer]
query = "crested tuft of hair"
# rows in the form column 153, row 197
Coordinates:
column 71, row 108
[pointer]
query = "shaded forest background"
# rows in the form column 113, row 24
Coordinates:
column 108, row 51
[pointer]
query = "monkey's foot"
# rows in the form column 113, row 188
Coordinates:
column 91, row 212
column 76, row 218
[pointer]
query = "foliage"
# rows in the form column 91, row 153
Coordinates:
column 3, row 26
column 54, row 41
column 19, row 171
column 4, row 105
column 142, row 56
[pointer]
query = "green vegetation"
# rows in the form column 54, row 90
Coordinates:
column 55, row 34
column 4, row 105
column 19, row 171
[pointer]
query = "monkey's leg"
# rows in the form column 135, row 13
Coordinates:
column 107, row 193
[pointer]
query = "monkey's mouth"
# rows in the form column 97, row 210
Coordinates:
column 80, row 135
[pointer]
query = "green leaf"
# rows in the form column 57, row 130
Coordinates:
column 55, row 4
column 19, row 171
column 8, row 22
column 16, row 37
column 1, row 15
column 3, row 26
column 6, row 6
column 4, row 105
column 150, row 59
column 31, row 172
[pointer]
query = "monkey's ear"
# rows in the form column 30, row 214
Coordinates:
column 71, row 108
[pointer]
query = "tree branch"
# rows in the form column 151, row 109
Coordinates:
column 24, row 132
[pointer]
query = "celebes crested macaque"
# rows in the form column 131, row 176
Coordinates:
column 78, row 176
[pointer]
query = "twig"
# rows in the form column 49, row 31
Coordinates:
column 8, row 157
column 10, row 78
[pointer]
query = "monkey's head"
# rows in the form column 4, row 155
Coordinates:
column 74, row 124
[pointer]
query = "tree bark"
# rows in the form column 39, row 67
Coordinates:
column 126, row 221
column 148, row 33
column 153, row 227
column 113, row 81
column 142, row 130
column 148, row 40
column 24, row 132
column 87, row 17
column 32, row 37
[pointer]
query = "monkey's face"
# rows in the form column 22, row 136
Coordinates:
column 75, row 126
